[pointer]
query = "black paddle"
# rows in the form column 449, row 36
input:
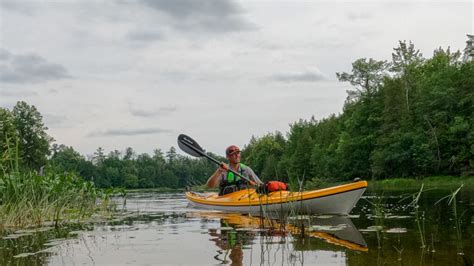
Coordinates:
column 191, row 147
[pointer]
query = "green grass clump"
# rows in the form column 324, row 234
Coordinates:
column 429, row 182
column 29, row 199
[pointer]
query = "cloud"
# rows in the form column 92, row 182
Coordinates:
column 153, row 112
column 29, row 68
column 128, row 132
column 354, row 16
column 144, row 36
column 307, row 76
column 216, row 16
column 19, row 6
column 17, row 93
column 54, row 120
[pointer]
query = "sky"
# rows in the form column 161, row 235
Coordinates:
column 137, row 73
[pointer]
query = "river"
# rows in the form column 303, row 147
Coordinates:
column 159, row 229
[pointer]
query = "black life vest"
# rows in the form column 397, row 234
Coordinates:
column 233, row 182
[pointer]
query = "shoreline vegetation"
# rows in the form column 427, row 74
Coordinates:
column 441, row 182
column 393, row 184
column 411, row 117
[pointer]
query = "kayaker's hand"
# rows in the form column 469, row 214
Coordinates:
column 224, row 167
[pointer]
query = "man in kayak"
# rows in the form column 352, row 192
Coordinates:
column 226, row 180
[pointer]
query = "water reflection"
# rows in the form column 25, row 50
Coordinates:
column 158, row 229
column 238, row 232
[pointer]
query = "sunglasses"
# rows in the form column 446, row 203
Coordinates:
column 232, row 152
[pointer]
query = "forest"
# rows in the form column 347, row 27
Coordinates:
column 410, row 117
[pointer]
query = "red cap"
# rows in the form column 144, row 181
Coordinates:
column 231, row 149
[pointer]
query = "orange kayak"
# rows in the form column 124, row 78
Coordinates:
column 333, row 200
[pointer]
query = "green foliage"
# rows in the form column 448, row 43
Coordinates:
column 264, row 153
column 366, row 77
column 32, row 139
column 27, row 198
column 416, row 122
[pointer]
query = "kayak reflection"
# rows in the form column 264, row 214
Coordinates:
column 237, row 232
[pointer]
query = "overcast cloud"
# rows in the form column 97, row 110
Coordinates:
column 154, row 112
column 307, row 76
column 28, row 68
column 128, row 132
column 120, row 74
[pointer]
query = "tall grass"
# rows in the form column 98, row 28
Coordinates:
column 451, row 198
column 28, row 198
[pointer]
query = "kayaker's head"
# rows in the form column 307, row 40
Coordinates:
column 233, row 154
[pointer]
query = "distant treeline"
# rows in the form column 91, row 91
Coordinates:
column 411, row 117
column 24, row 144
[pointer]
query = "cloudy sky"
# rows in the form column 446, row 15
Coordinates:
column 137, row 73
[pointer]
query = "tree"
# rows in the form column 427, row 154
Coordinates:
column 366, row 77
column 66, row 158
column 99, row 156
column 129, row 154
column 405, row 60
column 171, row 155
column 33, row 141
column 264, row 153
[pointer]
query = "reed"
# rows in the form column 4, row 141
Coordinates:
column 378, row 213
column 29, row 199
column 457, row 218
column 419, row 214
column 428, row 182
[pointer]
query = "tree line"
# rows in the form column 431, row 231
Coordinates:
column 410, row 117
column 25, row 145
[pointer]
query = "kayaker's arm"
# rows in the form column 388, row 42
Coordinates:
column 214, row 180
column 254, row 177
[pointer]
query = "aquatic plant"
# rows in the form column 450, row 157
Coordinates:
column 28, row 198
column 457, row 218
column 31, row 199
column 378, row 213
column 419, row 216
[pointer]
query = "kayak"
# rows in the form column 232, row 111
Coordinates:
column 333, row 200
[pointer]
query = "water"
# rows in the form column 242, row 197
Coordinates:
column 159, row 229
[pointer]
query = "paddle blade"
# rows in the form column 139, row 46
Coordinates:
column 190, row 146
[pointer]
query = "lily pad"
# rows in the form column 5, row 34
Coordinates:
column 36, row 230
column 299, row 217
column 75, row 233
column 22, row 255
column 15, row 236
column 398, row 217
column 324, row 216
column 372, row 229
column 54, row 242
column 338, row 227
column 396, row 230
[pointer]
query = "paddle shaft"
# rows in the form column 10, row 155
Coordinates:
column 217, row 162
